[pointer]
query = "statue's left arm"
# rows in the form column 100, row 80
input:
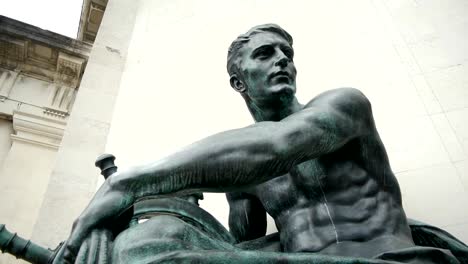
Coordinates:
column 234, row 159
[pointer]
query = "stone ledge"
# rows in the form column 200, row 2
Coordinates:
column 92, row 13
column 17, row 28
column 37, row 130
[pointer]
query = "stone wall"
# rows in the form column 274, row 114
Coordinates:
column 6, row 128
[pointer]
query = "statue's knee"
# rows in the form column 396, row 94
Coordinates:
column 156, row 235
column 156, row 227
column 166, row 227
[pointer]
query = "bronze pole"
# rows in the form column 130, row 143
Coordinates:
column 24, row 249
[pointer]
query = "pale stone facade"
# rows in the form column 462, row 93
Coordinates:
column 40, row 73
column 53, row 168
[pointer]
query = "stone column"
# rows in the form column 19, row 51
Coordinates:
column 73, row 179
column 27, row 168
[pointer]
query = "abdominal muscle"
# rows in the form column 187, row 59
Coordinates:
column 364, row 228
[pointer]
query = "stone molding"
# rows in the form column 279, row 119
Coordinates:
column 92, row 13
column 38, row 130
column 23, row 31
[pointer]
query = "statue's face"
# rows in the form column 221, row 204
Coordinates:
column 267, row 68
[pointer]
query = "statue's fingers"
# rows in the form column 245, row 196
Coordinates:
column 93, row 251
column 83, row 253
column 97, row 248
column 73, row 244
column 105, row 239
column 69, row 255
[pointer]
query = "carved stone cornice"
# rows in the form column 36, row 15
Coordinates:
column 38, row 130
column 91, row 17
column 12, row 51
column 39, row 53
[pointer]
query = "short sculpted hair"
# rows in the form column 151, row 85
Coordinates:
column 233, row 58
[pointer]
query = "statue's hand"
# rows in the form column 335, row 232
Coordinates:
column 94, row 250
column 104, row 208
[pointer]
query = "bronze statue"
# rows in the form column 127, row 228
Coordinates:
column 319, row 169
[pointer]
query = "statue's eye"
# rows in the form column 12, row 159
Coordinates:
column 264, row 52
column 289, row 53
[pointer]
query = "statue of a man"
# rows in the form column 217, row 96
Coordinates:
column 319, row 169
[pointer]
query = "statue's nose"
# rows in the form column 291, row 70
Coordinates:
column 282, row 62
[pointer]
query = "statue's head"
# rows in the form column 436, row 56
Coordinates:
column 260, row 64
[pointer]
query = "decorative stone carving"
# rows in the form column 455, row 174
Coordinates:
column 12, row 52
column 67, row 78
column 69, row 70
column 7, row 80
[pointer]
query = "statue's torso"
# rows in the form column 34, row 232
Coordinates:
column 336, row 200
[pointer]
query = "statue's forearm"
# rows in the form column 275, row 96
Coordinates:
column 223, row 162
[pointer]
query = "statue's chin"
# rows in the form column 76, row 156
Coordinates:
column 277, row 95
column 283, row 93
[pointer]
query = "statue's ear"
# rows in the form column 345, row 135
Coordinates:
column 237, row 84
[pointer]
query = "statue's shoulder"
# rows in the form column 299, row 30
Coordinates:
column 340, row 97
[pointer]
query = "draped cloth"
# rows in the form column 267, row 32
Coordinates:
column 168, row 237
column 178, row 232
column 194, row 246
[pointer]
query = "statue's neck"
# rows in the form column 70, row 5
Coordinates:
column 273, row 111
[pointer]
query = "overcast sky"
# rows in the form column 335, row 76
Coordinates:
column 60, row 16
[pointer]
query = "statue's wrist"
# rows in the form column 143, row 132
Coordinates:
column 141, row 181
column 121, row 181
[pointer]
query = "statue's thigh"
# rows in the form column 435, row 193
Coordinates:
column 161, row 234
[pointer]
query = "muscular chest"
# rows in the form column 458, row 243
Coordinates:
column 309, row 183
column 303, row 184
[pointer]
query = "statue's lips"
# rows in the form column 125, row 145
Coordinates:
column 280, row 75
